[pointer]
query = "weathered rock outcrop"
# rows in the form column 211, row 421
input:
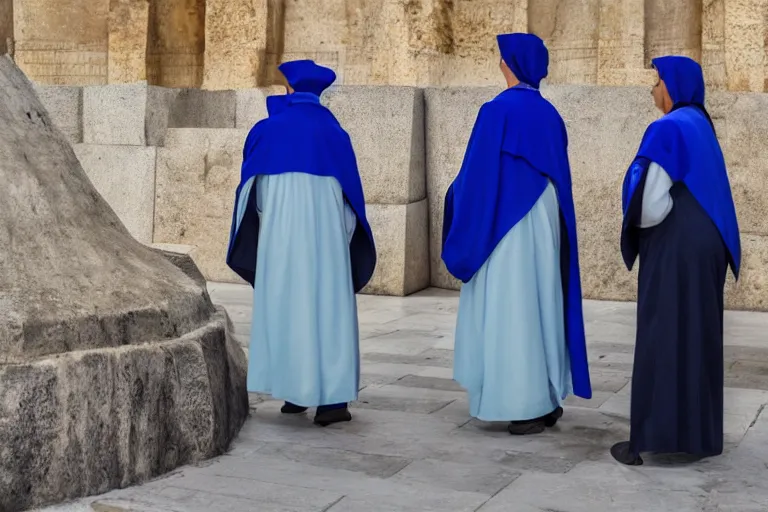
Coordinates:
column 114, row 365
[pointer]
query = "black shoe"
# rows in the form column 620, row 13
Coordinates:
column 527, row 427
column 289, row 408
column 550, row 420
column 326, row 416
column 622, row 453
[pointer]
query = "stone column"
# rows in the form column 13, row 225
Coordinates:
column 6, row 25
column 62, row 42
column 472, row 57
column 673, row 28
column 570, row 29
column 176, row 43
column 744, row 43
column 620, row 49
column 320, row 30
column 713, row 43
column 128, row 24
column 235, row 43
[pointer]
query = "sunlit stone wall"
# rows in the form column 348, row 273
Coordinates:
column 226, row 44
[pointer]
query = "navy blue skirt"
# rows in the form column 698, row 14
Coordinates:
column 677, row 380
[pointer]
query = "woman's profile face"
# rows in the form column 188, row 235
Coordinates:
column 661, row 96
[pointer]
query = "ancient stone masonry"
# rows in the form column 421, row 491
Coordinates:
column 115, row 367
column 225, row 44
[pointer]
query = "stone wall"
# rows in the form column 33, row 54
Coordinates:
column 168, row 160
column 6, row 25
column 226, row 44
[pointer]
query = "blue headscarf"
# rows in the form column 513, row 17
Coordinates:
column 526, row 56
column 683, row 78
column 685, row 82
column 306, row 76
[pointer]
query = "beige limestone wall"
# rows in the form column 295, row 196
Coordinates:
column 673, row 28
column 62, row 41
column 571, row 30
column 176, row 43
column 128, row 22
column 414, row 42
column 6, row 26
column 745, row 37
column 224, row 44
column 713, row 43
column 621, row 48
column 235, row 43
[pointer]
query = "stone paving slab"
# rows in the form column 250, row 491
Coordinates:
column 413, row 447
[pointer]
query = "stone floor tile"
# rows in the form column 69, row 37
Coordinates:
column 599, row 486
column 433, row 357
column 381, row 466
column 607, row 380
column 418, row 381
column 482, row 478
column 401, row 341
column 598, row 399
column 617, row 405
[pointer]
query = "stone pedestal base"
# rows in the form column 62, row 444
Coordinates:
column 82, row 423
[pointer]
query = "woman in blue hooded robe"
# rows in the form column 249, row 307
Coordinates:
column 509, row 234
column 301, row 238
column 680, row 219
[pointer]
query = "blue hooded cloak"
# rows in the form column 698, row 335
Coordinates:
column 518, row 143
column 685, row 145
column 301, row 135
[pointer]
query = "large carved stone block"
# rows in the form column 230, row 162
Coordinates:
column 65, row 106
column 6, row 26
column 128, row 26
column 235, row 43
column 570, row 30
column 198, row 171
column 126, row 114
column 63, row 42
column 673, row 28
column 195, row 108
column 750, row 292
column 386, row 125
column 451, row 113
column 176, row 42
column 745, row 36
column 125, row 178
column 251, row 105
column 401, row 232
column 621, row 48
column 741, row 127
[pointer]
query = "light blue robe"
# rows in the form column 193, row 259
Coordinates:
column 304, row 345
column 510, row 349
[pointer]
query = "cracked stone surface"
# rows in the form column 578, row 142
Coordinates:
column 412, row 447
